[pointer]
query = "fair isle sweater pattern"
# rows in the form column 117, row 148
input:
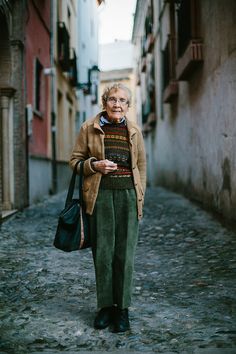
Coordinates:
column 116, row 144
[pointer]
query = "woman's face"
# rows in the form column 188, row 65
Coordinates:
column 117, row 105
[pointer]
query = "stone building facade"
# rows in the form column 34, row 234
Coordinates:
column 64, row 54
column 189, row 112
column 13, row 152
column 38, row 97
column 39, row 106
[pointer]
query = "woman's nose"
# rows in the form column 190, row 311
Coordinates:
column 117, row 102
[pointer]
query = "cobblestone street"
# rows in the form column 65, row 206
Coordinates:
column 184, row 287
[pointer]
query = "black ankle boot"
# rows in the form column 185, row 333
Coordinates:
column 121, row 320
column 103, row 318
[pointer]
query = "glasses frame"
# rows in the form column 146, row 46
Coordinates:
column 114, row 100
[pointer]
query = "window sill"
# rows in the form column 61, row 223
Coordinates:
column 192, row 57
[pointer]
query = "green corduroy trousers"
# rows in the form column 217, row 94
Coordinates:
column 114, row 233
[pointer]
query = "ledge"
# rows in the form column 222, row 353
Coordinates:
column 192, row 57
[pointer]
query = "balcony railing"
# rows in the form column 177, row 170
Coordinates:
column 63, row 47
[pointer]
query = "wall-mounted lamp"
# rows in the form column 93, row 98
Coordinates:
column 90, row 87
column 49, row 71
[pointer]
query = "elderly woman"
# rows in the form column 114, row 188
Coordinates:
column 114, row 185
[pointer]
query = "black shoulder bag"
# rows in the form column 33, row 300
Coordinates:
column 73, row 227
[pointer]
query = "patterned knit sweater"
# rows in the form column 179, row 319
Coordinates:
column 116, row 143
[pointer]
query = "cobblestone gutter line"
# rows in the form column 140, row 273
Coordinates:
column 184, row 286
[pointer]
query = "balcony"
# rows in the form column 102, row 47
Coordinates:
column 63, row 47
column 192, row 57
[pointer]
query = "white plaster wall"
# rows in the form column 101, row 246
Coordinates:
column 87, row 37
column 40, row 179
column 194, row 149
column 88, row 52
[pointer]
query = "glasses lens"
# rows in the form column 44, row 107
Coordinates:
column 114, row 100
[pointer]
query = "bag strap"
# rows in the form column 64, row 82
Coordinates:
column 72, row 183
column 81, row 178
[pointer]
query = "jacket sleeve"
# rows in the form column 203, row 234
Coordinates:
column 141, row 162
column 80, row 152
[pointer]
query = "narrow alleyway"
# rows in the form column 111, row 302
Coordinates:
column 184, row 290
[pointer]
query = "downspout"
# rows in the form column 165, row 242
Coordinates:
column 53, row 16
column 161, row 61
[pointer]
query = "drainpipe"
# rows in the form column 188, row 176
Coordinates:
column 161, row 61
column 53, row 16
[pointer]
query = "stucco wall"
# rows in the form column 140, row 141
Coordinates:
column 195, row 142
column 40, row 178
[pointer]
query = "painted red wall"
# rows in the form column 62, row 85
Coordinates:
column 38, row 46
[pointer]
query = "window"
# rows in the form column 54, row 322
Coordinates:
column 149, row 36
column 190, row 47
column 170, row 84
column 149, row 106
column 166, row 65
column 38, row 86
column 69, row 19
column 184, row 25
column 63, row 47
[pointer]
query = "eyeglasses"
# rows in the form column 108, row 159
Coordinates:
column 114, row 100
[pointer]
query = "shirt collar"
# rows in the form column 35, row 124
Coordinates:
column 104, row 120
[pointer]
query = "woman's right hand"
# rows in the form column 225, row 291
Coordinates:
column 104, row 166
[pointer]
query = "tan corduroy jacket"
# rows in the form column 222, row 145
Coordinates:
column 89, row 147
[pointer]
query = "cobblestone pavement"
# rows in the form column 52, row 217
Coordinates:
column 184, row 290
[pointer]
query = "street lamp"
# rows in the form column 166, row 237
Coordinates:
column 91, row 87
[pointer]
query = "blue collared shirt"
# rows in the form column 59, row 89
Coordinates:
column 104, row 121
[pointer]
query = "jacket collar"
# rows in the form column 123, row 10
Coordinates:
column 131, row 127
column 96, row 123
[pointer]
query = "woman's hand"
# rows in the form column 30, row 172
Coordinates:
column 104, row 166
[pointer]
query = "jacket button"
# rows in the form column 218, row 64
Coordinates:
column 140, row 200
column 135, row 184
column 133, row 167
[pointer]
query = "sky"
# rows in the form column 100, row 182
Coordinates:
column 116, row 20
